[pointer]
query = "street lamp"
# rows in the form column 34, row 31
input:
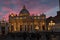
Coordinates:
column 51, row 24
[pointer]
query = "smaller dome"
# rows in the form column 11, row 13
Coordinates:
column 43, row 14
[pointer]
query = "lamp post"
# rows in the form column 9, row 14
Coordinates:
column 51, row 24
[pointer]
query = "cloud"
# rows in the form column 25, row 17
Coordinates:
column 1, row 13
column 34, row 6
column 6, row 9
column 52, row 12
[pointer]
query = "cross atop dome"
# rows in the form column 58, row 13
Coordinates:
column 24, row 7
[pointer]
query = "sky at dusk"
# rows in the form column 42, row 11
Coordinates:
column 49, row 7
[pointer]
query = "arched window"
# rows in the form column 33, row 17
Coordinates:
column 3, row 30
column 43, row 27
column 28, row 28
column 12, row 28
column 25, row 27
column 20, row 27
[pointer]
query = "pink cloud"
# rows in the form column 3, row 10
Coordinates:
column 1, row 13
column 7, row 2
column 37, row 10
column 6, row 16
column 6, row 9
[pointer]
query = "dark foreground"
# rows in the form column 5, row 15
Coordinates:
column 31, row 36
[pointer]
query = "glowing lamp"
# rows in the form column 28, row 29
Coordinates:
column 12, row 15
column 43, row 23
column 12, row 24
column 51, row 23
column 36, row 27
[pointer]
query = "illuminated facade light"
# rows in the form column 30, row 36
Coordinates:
column 38, row 17
column 49, row 28
column 43, row 23
column 20, row 17
column 37, row 28
column 12, row 15
column 12, row 24
column 51, row 23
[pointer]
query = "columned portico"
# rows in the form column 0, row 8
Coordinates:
column 25, row 22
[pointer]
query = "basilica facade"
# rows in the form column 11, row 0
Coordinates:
column 24, row 22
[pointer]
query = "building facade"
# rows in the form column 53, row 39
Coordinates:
column 53, row 23
column 4, row 27
column 25, row 22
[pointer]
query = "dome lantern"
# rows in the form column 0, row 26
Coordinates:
column 24, row 7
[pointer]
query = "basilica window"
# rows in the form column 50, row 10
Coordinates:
column 28, row 28
column 43, row 27
column 34, row 17
column 25, row 27
column 24, row 17
column 38, row 17
column 17, row 18
column 3, row 30
column 20, row 17
column 20, row 27
column 43, row 17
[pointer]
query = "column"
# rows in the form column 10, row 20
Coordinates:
column 6, row 29
column 9, row 28
column 23, row 28
column 31, row 28
column 12, row 28
column 15, row 27
column 18, row 27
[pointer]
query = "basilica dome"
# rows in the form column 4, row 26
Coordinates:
column 24, row 11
